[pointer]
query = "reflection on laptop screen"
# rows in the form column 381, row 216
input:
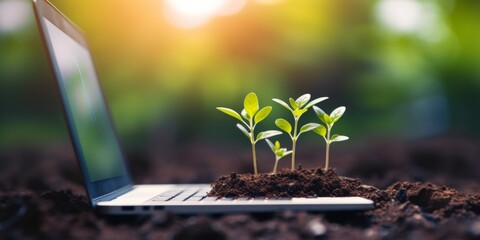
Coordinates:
column 92, row 130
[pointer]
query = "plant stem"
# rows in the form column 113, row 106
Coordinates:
column 294, row 142
column 275, row 166
column 254, row 159
column 327, row 151
column 252, row 140
column 326, row 156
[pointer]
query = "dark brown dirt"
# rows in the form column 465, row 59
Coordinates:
column 284, row 184
column 402, row 204
column 41, row 196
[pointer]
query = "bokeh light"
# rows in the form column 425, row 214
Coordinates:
column 194, row 13
column 14, row 15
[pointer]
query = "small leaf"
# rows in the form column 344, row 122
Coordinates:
column 267, row 134
column 309, row 127
column 277, row 145
column 244, row 114
column 329, row 120
column 284, row 125
column 244, row 131
column 287, row 153
column 230, row 112
column 337, row 113
column 262, row 114
column 321, row 130
column 321, row 114
column 299, row 112
column 284, row 104
column 251, row 104
column 293, row 103
column 338, row 138
column 302, row 100
column 280, row 152
column 315, row 101
column 270, row 144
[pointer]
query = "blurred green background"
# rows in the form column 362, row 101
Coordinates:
column 404, row 68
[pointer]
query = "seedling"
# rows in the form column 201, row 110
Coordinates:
column 297, row 108
column 278, row 151
column 323, row 131
column 250, row 116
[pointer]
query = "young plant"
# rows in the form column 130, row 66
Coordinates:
column 297, row 107
column 278, row 151
column 325, row 132
column 250, row 116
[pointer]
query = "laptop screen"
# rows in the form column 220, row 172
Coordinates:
column 78, row 82
column 84, row 101
column 83, row 98
column 93, row 136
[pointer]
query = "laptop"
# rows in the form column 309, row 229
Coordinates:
column 106, row 176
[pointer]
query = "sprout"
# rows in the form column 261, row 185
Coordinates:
column 323, row 131
column 278, row 151
column 297, row 108
column 250, row 116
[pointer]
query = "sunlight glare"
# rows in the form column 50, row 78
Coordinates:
column 401, row 15
column 194, row 13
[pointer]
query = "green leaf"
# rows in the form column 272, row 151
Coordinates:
column 338, row 138
column 308, row 127
column 337, row 113
column 267, row 134
column 287, row 153
column 270, row 144
column 244, row 131
column 284, row 125
column 230, row 112
column 293, row 103
column 315, row 101
column 262, row 114
column 321, row 130
column 284, row 104
column 299, row 112
column 321, row 115
column 280, row 152
column 277, row 145
column 251, row 104
column 302, row 100
column 244, row 114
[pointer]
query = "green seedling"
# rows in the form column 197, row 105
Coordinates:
column 325, row 132
column 250, row 116
column 278, row 151
column 297, row 107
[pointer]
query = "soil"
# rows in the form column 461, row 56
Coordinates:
column 286, row 183
column 41, row 195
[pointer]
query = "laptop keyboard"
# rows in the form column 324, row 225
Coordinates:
column 195, row 194
column 189, row 194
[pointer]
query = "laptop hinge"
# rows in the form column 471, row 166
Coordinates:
column 112, row 195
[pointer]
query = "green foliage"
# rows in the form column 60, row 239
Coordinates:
column 250, row 116
column 278, row 151
column 284, row 125
column 297, row 107
column 325, row 131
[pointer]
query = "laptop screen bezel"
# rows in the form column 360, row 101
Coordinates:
column 99, row 190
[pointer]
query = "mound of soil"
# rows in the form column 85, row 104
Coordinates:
column 286, row 183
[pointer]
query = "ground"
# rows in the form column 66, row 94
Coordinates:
column 424, row 189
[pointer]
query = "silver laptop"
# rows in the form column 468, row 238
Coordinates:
column 98, row 152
